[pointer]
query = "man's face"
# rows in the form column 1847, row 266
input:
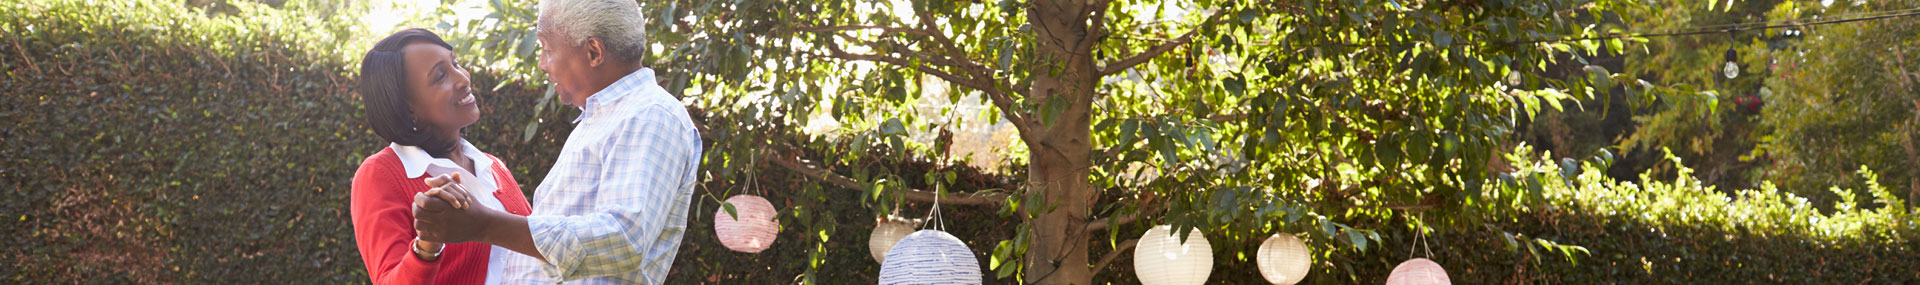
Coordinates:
column 568, row 67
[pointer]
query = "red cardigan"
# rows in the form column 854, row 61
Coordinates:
column 383, row 225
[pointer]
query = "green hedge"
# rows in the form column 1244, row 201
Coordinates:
column 146, row 142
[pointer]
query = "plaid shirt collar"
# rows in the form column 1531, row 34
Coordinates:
column 603, row 100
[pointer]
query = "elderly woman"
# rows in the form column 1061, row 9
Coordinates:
column 417, row 98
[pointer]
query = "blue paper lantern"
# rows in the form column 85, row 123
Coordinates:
column 930, row 257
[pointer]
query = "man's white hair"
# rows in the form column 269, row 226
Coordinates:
column 617, row 23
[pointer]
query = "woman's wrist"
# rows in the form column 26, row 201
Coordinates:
column 426, row 250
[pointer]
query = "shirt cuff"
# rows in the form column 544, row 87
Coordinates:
column 414, row 270
column 551, row 238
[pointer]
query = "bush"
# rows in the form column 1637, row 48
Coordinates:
column 1683, row 231
column 148, row 143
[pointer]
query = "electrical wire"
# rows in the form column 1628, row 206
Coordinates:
column 1732, row 28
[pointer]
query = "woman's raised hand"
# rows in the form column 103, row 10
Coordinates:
column 455, row 194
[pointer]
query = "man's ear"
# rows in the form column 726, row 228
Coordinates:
column 596, row 52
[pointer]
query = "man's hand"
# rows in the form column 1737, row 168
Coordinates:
column 439, row 220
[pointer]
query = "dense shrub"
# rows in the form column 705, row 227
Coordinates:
column 1679, row 230
column 146, row 142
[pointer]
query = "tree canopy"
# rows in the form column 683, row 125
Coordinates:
column 1238, row 118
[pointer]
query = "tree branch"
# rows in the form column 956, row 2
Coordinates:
column 1000, row 99
column 982, row 199
column 1412, row 207
column 836, row 52
column 1137, row 59
column 953, row 57
column 1101, row 223
column 941, row 38
column 971, row 75
column 887, row 29
column 1124, row 247
column 1095, row 30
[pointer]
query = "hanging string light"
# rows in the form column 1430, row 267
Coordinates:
column 1733, row 58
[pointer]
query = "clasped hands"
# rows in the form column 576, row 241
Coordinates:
column 446, row 214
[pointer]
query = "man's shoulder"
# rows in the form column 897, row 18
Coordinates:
column 653, row 105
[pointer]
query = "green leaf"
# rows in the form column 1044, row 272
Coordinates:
column 1235, row 85
column 1418, row 147
column 1358, row 239
column 1512, row 245
column 893, row 127
column 532, row 127
column 1000, row 254
column 1386, row 151
column 1442, row 38
column 1599, row 76
column 1050, row 111
column 1006, row 55
column 1127, row 134
column 528, row 44
column 731, row 212
column 1713, row 101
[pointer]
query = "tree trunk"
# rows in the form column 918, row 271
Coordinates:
column 1059, row 151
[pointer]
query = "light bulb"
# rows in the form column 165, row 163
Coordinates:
column 1732, row 70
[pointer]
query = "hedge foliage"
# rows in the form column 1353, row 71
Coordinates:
column 148, row 142
column 1678, row 230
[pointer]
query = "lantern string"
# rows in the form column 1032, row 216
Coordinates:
column 1420, row 239
column 933, row 215
column 1428, row 246
column 1414, row 247
column 750, row 187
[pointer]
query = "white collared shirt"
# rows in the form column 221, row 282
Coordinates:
column 419, row 164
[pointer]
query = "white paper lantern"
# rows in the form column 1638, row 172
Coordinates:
column 1284, row 259
column 885, row 234
column 753, row 230
column 1418, row 271
column 930, row 257
column 1160, row 258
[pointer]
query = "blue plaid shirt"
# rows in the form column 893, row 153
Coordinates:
column 613, row 208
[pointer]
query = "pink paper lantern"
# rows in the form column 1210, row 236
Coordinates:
column 753, row 230
column 1418, row 271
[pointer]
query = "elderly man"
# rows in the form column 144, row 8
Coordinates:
column 614, row 207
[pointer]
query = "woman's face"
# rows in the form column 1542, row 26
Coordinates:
column 442, row 97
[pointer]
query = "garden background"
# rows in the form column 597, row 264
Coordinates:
column 213, row 141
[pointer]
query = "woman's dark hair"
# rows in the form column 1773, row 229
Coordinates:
column 383, row 90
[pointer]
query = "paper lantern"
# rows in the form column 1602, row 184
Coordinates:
column 1418, row 271
column 1160, row 257
column 885, row 234
column 1284, row 259
column 930, row 257
column 753, row 230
